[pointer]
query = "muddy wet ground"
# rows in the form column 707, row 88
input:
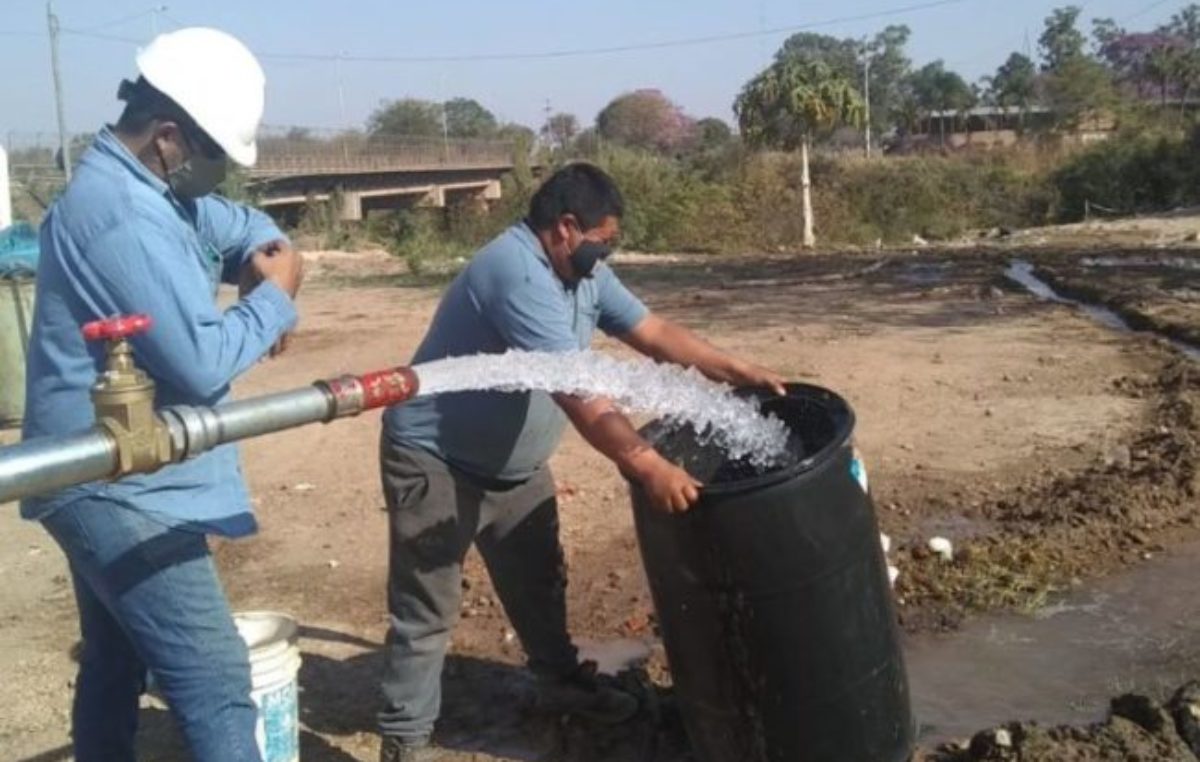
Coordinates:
column 1053, row 451
column 1157, row 291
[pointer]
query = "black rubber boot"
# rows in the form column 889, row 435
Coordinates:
column 587, row 694
column 396, row 749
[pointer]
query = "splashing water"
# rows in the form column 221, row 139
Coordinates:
column 677, row 395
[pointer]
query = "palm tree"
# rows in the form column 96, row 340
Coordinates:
column 788, row 104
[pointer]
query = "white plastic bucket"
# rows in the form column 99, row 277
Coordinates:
column 274, row 664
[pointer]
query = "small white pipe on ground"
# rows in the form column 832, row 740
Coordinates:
column 5, row 193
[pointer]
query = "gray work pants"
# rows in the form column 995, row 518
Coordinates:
column 435, row 512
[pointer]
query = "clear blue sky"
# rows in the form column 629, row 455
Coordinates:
column 972, row 36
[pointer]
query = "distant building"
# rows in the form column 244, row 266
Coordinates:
column 987, row 127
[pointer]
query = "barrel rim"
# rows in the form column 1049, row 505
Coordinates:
column 831, row 399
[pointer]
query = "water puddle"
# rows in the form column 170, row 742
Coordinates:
column 1164, row 263
column 1136, row 631
column 613, row 656
column 1022, row 273
column 679, row 396
column 924, row 273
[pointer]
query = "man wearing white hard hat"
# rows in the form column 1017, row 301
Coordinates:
column 139, row 230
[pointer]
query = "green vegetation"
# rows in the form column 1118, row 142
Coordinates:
column 795, row 169
column 789, row 105
column 1142, row 169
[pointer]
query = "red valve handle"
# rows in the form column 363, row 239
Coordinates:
column 121, row 327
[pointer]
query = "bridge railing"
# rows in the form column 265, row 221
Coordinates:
column 293, row 150
column 302, row 152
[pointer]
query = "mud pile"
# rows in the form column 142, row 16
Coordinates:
column 1137, row 728
column 1059, row 527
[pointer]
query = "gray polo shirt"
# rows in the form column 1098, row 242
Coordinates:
column 508, row 297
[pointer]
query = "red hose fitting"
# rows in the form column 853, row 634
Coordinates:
column 388, row 387
column 353, row 394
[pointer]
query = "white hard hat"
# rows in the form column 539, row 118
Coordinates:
column 215, row 79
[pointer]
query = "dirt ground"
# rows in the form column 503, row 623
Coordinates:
column 1137, row 728
column 1048, row 448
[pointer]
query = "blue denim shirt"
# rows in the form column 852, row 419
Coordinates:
column 508, row 297
column 117, row 241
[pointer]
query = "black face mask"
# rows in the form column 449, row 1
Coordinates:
column 586, row 255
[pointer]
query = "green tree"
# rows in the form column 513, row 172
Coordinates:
column 1106, row 33
column 645, row 119
column 889, row 67
column 518, row 134
column 1061, row 41
column 883, row 59
column 712, row 133
column 588, row 143
column 1014, row 85
column 841, row 56
column 788, row 104
column 467, row 118
column 1184, row 26
column 1078, row 88
column 407, row 116
column 559, row 130
column 906, row 114
column 1076, row 84
column 937, row 89
column 522, row 140
column 1158, row 63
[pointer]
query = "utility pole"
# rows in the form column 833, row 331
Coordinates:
column 867, row 98
column 337, row 64
column 445, row 122
column 63, row 146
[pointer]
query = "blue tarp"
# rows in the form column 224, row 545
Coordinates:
column 18, row 251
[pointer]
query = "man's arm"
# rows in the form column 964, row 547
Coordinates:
column 242, row 236
column 665, row 341
column 193, row 346
column 604, row 427
column 236, row 231
column 532, row 319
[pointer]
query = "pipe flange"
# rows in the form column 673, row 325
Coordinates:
column 346, row 393
column 194, row 430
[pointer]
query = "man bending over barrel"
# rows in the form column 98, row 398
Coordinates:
column 472, row 466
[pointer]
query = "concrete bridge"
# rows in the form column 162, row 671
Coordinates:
column 362, row 175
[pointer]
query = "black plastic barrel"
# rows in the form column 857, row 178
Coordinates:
column 774, row 602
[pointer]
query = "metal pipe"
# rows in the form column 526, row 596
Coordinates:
column 47, row 464
column 198, row 429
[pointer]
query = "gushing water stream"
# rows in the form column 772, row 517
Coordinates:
column 678, row 395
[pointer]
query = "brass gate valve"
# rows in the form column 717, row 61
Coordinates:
column 123, row 397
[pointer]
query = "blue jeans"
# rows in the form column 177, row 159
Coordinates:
column 149, row 598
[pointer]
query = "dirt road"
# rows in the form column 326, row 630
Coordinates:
column 983, row 414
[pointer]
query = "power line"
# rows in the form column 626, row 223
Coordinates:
column 1144, row 10
column 119, row 21
column 178, row 24
column 101, row 36
column 683, row 42
column 540, row 55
